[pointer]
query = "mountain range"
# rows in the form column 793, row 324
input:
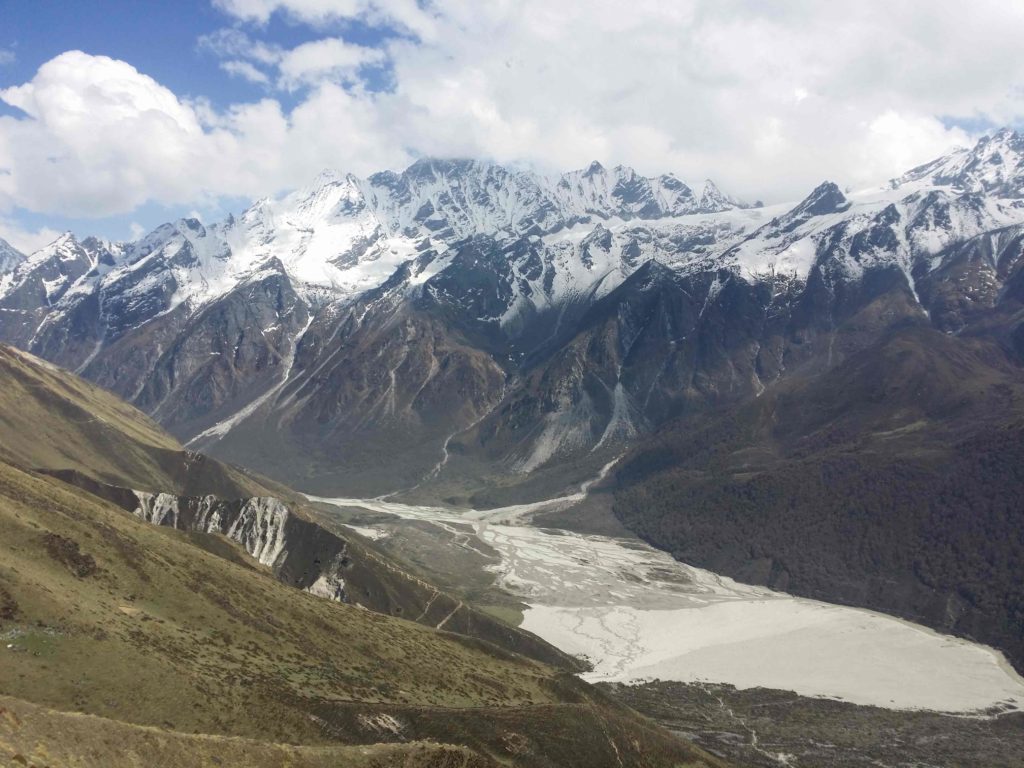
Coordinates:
column 210, row 329
column 480, row 335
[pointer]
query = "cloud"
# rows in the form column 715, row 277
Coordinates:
column 7, row 56
column 244, row 70
column 328, row 59
column 235, row 44
column 309, row 11
column 305, row 65
column 26, row 239
column 767, row 99
column 407, row 15
column 100, row 138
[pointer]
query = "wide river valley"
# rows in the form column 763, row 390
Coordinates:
column 637, row 614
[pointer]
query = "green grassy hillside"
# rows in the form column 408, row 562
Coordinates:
column 182, row 650
column 50, row 419
column 36, row 737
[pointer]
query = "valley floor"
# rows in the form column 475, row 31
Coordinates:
column 763, row 728
column 636, row 614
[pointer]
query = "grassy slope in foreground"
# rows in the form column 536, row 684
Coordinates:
column 133, row 623
column 51, row 419
column 32, row 736
column 111, row 616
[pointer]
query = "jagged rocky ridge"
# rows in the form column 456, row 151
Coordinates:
column 462, row 322
column 199, row 325
column 10, row 258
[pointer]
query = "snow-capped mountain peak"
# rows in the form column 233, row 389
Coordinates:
column 826, row 198
column 712, row 200
column 10, row 257
column 995, row 166
column 438, row 281
column 623, row 193
column 46, row 275
column 341, row 235
column 788, row 243
column 326, row 177
column 65, row 247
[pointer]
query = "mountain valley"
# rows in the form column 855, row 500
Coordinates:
column 339, row 460
column 175, row 622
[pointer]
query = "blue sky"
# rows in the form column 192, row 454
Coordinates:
column 162, row 40
column 34, row 32
column 204, row 105
column 158, row 38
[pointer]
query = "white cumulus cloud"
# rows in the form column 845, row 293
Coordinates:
column 766, row 99
column 331, row 58
column 410, row 15
column 99, row 137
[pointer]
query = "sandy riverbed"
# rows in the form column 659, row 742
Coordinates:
column 637, row 614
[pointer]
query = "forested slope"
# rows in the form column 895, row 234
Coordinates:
column 895, row 481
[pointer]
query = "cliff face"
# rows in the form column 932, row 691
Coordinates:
column 299, row 553
column 308, row 556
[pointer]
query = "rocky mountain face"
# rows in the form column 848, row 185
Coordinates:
column 891, row 481
column 360, row 313
column 881, row 468
column 10, row 258
column 462, row 325
column 476, row 334
column 267, row 531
